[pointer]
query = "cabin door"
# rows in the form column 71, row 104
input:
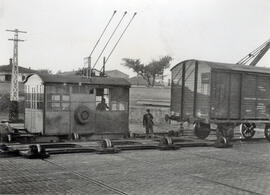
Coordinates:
column 34, row 120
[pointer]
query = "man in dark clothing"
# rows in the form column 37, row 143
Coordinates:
column 148, row 122
column 102, row 106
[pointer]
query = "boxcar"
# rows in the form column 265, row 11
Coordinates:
column 67, row 105
column 220, row 96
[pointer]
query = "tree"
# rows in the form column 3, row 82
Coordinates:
column 80, row 71
column 150, row 71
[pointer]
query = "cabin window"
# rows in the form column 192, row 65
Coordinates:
column 34, row 98
column 82, row 89
column 58, row 98
column 118, row 106
column 58, row 102
column 102, row 99
column 55, row 97
column 53, row 102
column 65, row 102
column 27, row 100
column 40, row 101
column 58, row 89
column 27, row 97
column 119, row 99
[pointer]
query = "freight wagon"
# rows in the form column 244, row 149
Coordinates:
column 220, row 96
column 57, row 105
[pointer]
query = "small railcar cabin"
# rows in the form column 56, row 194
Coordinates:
column 64, row 105
column 209, row 94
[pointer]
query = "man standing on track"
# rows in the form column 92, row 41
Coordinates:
column 148, row 123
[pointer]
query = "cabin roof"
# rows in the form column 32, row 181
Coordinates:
column 78, row 79
column 227, row 66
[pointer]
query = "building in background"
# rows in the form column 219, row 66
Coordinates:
column 110, row 73
column 6, row 72
column 5, row 77
column 5, row 82
column 116, row 74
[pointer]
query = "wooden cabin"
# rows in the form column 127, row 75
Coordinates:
column 63, row 105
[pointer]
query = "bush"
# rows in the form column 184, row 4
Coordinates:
column 5, row 102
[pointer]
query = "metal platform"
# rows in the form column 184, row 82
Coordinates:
column 94, row 146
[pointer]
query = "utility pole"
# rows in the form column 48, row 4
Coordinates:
column 14, row 88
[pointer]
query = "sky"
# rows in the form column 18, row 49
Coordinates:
column 60, row 33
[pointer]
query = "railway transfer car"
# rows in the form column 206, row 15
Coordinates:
column 219, row 96
column 72, row 105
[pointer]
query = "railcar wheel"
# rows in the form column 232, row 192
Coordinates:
column 267, row 132
column 166, row 141
column 106, row 143
column 225, row 130
column 247, row 130
column 201, row 130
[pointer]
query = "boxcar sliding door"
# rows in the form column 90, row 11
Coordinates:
column 225, row 95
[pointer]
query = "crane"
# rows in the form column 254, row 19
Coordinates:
column 256, row 55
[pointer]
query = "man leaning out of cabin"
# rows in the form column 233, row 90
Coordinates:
column 102, row 106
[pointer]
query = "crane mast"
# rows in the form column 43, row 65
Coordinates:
column 256, row 55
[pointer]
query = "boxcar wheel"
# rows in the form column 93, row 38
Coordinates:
column 267, row 132
column 247, row 130
column 201, row 130
column 225, row 130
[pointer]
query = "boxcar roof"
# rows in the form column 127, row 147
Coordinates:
column 78, row 79
column 233, row 67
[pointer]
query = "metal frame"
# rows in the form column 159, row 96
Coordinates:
column 195, row 89
column 183, row 90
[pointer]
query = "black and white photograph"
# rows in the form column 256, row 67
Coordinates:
column 135, row 97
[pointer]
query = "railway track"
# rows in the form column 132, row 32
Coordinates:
column 88, row 179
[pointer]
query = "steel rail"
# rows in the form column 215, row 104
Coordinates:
column 94, row 181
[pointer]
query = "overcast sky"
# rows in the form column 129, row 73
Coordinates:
column 62, row 32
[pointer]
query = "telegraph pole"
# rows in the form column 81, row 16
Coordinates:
column 14, row 87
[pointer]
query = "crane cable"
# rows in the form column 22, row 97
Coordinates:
column 253, row 54
column 110, row 38
column 120, row 37
column 114, row 12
